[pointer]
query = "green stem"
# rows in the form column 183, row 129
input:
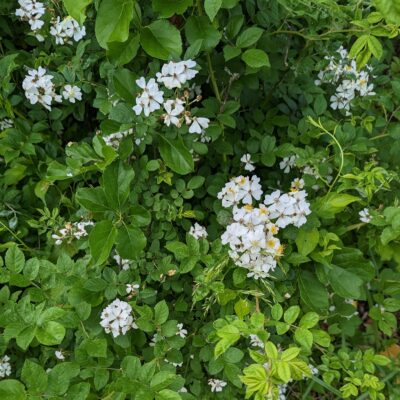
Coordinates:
column 213, row 80
column 15, row 236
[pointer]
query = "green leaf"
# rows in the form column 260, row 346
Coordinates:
column 304, row 337
column 358, row 46
column 161, row 40
column 307, row 241
column 390, row 9
column 249, row 37
column 11, row 389
column 321, row 337
column 117, row 179
column 309, row 320
column 122, row 53
column 179, row 249
column 96, row 347
column 50, row 333
column 256, row 380
column 167, row 394
column 333, row 203
column 15, row 259
column 113, row 20
column 290, row 354
column 200, row 28
column 375, row 47
column 175, row 155
column 167, row 8
column 211, row 7
column 161, row 312
column 276, row 312
column 93, row 199
column 256, row 58
column 34, row 377
column 283, row 371
column 130, row 241
column 291, row 314
column 345, row 283
column 312, row 292
column 101, row 240
column 76, row 9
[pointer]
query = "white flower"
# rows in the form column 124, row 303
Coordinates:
column 72, row 93
column 122, row 262
column 59, row 355
column 255, row 341
column 248, row 164
column 183, row 390
column 117, row 319
column 199, row 125
column 5, row 124
column 5, row 367
column 297, row 184
column 132, row 288
column 31, row 11
column 66, row 29
column 71, row 231
column 114, row 139
column 39, row 88
column 287, row 163
column 173, row 109
column 365, row 216
column 181, row 331
column 150, row 99
column 217, row 385
column 198, row 231
column 174, row 75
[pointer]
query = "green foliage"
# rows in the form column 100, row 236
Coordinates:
column 101, row 202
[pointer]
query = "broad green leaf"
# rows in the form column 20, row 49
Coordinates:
column 304, row 337
column 60, row 376
column 307, row 241
column 117, row 179
column 283, row 371
column 161, row 312
column 200, row 28
column 167, row 8
column 96, row 347
column 211, row 7
column 276, row 312
column 256, row 58
column 93, row 199
column 76, row 9
column 175, row 155
column 101, row 240
column 34, row 377
column 291, row 314
column 249, row 37
column 161, row 40
column 11, row 389
column 167, row 394
column 312, row 292
column 358, row 46
column 321, row 337
column 112, row 21
column 179, row 249
column 256, row 380
column 130, row 241
column 122, row 53
column 309, row 320
column 15, row 259
column 290, row 353
column 333, row 203
column 345, row 283
column 50, row 334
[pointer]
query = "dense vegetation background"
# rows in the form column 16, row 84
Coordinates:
column 199, row 199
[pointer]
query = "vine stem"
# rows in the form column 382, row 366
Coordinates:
column 325, row 131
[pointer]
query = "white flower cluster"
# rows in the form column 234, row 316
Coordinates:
column 5, row 123
column 114, row 139
column 124, row 263
column 251, row 235
column 365, row 216
column 255, row 341
column 217, row 385
column 342, row 72
column 248, row 164
column 198, row 231
column 5, row 367
column 117, row 318
column 173, row 75
column 67, row 29
column 32, row 11
column 71, row 231
column 39, row 88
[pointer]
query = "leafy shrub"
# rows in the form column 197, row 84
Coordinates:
column 199, row 199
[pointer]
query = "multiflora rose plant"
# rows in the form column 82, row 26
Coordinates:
column 199, row 200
